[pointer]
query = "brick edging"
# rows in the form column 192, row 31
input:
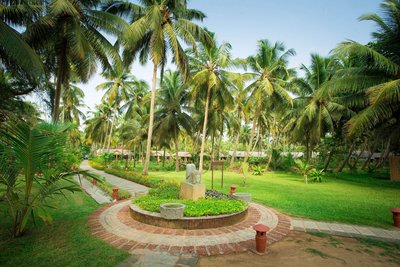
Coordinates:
column 276, row 234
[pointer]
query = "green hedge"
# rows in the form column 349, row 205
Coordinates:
column 129, row 175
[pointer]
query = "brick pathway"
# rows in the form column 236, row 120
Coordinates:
column 303, row 225
column 113, row 224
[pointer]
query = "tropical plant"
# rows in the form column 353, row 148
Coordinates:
column 170, row 115
column 271, row 75
column 317, row 175
column 31, row 170
column 303, row 168
column 210, row 79
column 376, row 76
column 156, row 27
column 257, row 170
column 72, row 100
column 15, row 52
column 71, row 32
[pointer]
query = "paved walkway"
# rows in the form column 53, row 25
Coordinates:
column 344, row 229
column 151, row 258
column 113, row 224
column 96, row 193
column 112, row 179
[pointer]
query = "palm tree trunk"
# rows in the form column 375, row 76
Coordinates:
column 176, row 151
column 134, row 156
column 151, row 121
column 109, row 138
column 370, row 156
column 203, row 138
column 328, row 160
column 235, row 148
column 60, row 82
column 384, row 155
column 347, row 158
column 253, row 129
column 163, row 161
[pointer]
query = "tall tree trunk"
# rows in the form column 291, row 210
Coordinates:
column 347, row 157
column 203, row 138
column 235, row 148
column 151, row 121
column 253, row 129
column 60, row 81
column 384, row 155
column 111, row 130
column 176, row 150
column 105, row 136
column 134, row 156
column 163, row 161
column 328, row 160
column 369, row 156
column 212, row 150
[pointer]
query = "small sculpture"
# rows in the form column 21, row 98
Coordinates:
column 193, row 176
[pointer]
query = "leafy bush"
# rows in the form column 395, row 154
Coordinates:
column 96, row 165
column 317, row 175
column 257, row 170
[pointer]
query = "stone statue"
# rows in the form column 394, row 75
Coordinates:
column 192, row 175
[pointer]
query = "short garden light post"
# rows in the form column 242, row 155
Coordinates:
column 233, row 188
column 396, row 217
column 261, row 237
column 94, row 181
column 115, row 194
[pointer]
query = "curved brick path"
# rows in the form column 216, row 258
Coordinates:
column 113, row 224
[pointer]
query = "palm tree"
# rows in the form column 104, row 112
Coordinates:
column 72, row 100
column 155, row 27
column 72, row 33
column 376, row 76
column 317, row 111
column 209, row 79
column 269, row 67
column 27, row 160
column 170, row 115
column 14, row 50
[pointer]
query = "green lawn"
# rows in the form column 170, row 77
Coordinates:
column 349, row 198
column 67, row 242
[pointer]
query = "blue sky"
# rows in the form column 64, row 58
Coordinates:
column 308, row 26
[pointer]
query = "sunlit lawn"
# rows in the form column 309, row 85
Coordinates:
column 67, row 242
column 349, row 198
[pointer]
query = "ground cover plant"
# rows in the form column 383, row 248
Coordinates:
column 169, row 193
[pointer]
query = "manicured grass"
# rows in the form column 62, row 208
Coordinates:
column 67, row 242
column 348, row 198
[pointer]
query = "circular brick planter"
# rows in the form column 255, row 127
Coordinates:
column 172, row 211
column 203, row 222
column 114, row 224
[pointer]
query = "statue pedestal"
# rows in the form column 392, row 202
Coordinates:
column 192, row 191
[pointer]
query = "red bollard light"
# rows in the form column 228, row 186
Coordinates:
column 396, row 217
column 261, row 237
column 94, row 181
column 115, row 194
column 233, row 188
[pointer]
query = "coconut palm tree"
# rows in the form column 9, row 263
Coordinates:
column 156, row 27
column 72, row 32
column 171, row 117
column 317, row 111
column 376, row 75
column 72, row 100
column 14, row 50
column 210, row 79
column 29, row 174
column 269, row 67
